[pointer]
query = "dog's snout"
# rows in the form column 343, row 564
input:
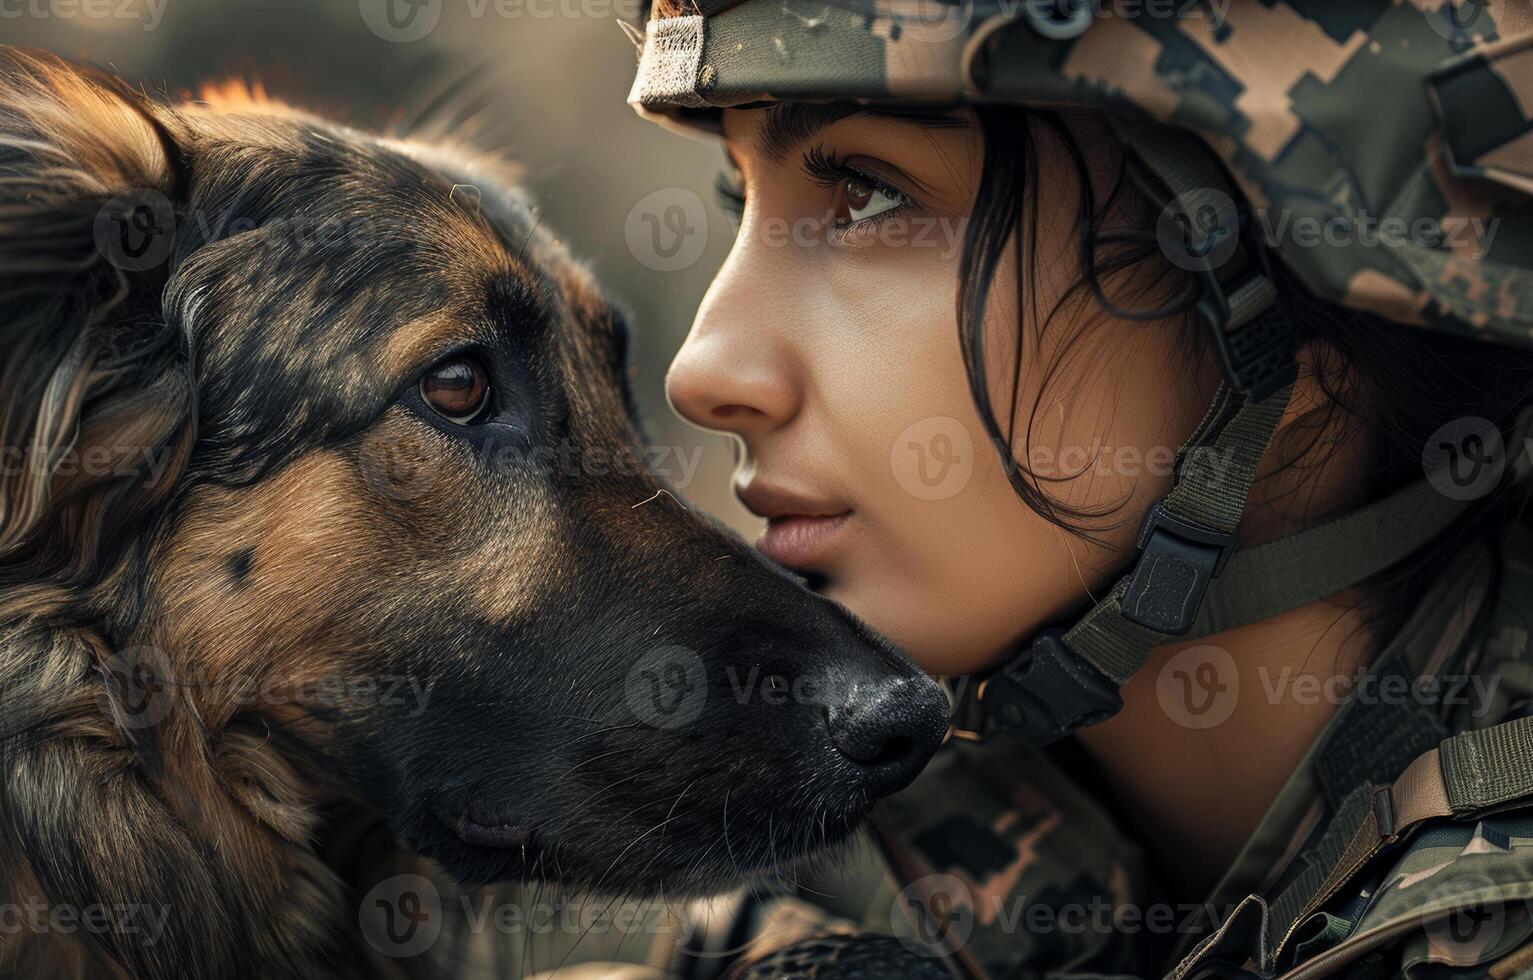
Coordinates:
column 889, row 728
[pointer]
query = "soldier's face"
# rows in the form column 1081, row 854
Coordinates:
column 828, row 344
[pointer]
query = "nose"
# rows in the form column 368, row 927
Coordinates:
column 736, row 372
column 889, row 728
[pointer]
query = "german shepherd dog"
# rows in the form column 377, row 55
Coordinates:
column 308, row 570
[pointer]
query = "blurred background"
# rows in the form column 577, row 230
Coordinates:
column 542, row 81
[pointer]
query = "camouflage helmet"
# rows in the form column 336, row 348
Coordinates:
column 1385, row 148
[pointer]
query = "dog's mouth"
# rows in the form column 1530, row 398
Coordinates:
column 477, row 847
column 491, row 832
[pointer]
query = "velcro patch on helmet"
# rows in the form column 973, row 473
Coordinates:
column 669, row 65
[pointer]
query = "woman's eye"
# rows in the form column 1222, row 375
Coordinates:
column 458, row 390
column 858, row 200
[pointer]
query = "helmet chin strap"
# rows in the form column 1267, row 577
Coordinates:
column 1184, row 575
column 1067, row 680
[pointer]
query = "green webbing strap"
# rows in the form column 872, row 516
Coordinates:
column 1468, row 775
column 1178, row 159
column 1486, row 768
column 1214, row 470
column 1212, row 480
column 1272, row 578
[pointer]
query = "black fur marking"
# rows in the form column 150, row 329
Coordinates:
column 240, row 564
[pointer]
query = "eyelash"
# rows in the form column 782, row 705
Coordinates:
column 825, row 169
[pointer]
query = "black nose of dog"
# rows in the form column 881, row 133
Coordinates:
column 889, row 728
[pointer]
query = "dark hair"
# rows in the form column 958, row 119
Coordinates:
column 1389, row 384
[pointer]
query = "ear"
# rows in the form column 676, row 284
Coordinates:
column 95, row 407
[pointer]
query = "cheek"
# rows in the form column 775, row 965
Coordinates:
column 336, row 565
column 950, row 562
column 947, row 561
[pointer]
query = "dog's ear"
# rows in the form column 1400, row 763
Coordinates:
column 95, row 405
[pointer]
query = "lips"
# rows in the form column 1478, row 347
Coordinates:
column 799, row 541
column 800, row 527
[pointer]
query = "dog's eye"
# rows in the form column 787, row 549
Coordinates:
column 459, row 390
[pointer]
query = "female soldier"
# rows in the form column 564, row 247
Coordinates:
column 994, row 266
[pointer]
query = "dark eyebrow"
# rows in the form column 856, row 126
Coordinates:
column 789, row 124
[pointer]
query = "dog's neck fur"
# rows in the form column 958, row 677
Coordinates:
column 213, row 839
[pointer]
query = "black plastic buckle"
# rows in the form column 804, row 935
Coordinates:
column 1177, row 560
column 1048, row 692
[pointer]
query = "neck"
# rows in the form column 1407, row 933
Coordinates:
column 1211, row 729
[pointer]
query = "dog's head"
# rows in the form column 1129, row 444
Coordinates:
column 322, row 490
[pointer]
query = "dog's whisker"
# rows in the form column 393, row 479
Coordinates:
column 605, row 731
column 580, row 939
column 601, row 792
column 590, row 759
column 655, row 495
